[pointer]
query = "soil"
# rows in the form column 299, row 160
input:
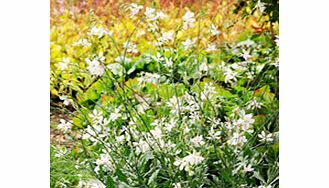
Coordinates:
column 57, row 138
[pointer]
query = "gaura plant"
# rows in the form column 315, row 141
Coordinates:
column 164, row 101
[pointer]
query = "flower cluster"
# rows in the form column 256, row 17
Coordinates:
column 95, row 67
column 99, row 32
column 187, row 162
column 188, row 20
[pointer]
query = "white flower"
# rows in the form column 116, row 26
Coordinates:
column 168, row 62
column 204, row 66
column 177, row 185
column 104, row 159
column 236, row 110
column 100, row 56
column 243, row 63
column 275, row 63
column 92, row 183
column 120, row 138
column 169, row 126
column 194, row 117
column 131, row 48
column 244, row 122
column 91, row 133
column 143, row 106
column 237, row 139
column 183, row 164
column 213, row 30
column 264, row 186
column 235, row 66
column 211, row 47
column 66, row 100
column 148, row 78
column 228, row 125
column 150, row 14
column 134, row 9
column 188, row 43
column 115, row 68
column 208, row 91
column 248, row 168
column 240, row 66
column 161, row 15
column 192, row 104
column 213, row 135
column 96, row 115
column 104, row 122
column 173, row 104
column 115, row 115
column 265, row 137
column 64, row 63
column 82, row 42
column 246, row 43
column 250, row 75
column 188, row 20
column 158, row 58
column 187, row 162
column 254, row 104
column 166, row 37
column 261, row 6
column 197, row 141
column 186, row 130
column 153, row 27
column 61, row 152
column 277, row 40
column 141, row 146
column 229, row 75
column 158, row 122
column 246, row 55
column 64, row 126
column 156, row 132
column 247, row 118
column 98, row 31
column 95, row 67
column 98, row 128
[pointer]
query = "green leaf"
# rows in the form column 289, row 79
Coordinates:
column 110, row 182
column 153, row 177
column 121, row 176
column 258, row 176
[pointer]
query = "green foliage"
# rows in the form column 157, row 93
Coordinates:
column 182, row 113
column 65, row 170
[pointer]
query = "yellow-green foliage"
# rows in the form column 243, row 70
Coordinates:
column 76, row 19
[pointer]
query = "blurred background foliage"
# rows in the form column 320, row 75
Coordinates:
column 71, row 20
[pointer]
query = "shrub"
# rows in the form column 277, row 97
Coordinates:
column 170, row 105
